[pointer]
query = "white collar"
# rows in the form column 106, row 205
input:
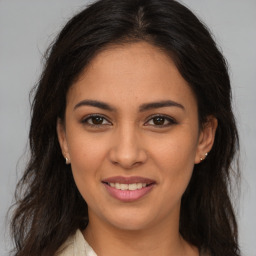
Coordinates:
column 81, row 247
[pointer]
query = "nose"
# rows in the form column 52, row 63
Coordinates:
column 126, row 149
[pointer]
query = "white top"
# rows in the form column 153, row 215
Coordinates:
column 76, row 245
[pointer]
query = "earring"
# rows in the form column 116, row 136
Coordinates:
column 202, row 158
column 67, row 160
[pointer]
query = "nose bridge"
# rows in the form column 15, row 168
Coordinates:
column 127, row 142
column 127, row 149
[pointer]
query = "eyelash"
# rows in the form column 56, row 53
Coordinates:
column 85, row 120
column 170, row 120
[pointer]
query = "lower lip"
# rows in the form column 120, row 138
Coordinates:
column 128, row 195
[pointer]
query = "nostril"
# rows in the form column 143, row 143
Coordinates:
column 127, row 155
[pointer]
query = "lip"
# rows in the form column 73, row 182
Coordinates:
column 128, row 180
column 128, row 195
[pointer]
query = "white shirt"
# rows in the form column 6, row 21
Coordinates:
column 76, row 245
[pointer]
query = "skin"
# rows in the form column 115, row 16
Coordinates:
column 129, row 142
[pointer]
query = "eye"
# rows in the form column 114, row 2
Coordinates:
column 161, row 121
column 95, row 120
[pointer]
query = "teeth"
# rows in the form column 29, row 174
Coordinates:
column 140, row 185
column 124, row 186
column 133, row 186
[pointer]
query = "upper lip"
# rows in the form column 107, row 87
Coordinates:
column 128, row 180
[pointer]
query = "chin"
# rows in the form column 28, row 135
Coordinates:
column 131, row 222
column 131, row 226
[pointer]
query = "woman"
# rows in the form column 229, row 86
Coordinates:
column 136, row 97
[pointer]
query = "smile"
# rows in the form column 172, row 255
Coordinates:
column 133, row 186
column 128, row 189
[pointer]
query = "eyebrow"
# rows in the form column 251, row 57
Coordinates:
column 95, row 103
column 142, row 108
column 160, row 104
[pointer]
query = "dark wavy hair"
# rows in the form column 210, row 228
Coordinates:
column 49, row 207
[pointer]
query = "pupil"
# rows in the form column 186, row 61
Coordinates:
column 158, row 120
column 97, row 120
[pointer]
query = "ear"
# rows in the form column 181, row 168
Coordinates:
column 206, row 138
column 62, row 139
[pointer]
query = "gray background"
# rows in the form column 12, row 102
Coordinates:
column 27, row 28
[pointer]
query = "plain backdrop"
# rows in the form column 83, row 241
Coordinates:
column 27, row 27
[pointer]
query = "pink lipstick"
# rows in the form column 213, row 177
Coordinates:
column 128, row 189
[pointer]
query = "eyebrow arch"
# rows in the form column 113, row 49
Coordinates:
column 142, row 108
column 95, row 103
column 160, row 104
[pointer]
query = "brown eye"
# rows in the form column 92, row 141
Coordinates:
column 159, row 120
column 96, row 120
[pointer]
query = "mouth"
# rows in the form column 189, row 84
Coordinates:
column 128, row 183
column 128, row 188
column 131, row 186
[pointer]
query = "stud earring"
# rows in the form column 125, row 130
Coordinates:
column 67, row 160
column 202, row 158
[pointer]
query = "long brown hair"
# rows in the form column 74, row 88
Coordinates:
column 49, row 207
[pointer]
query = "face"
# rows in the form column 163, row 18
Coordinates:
column 131, row 134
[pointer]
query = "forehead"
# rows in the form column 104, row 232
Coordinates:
column 131, row 73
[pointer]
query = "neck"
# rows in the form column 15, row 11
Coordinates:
column 161, row 239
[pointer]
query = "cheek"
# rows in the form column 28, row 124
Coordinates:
column 175, row 158
column 86, row 165
column 87, row 157
column 85, row 149
column 175, row 150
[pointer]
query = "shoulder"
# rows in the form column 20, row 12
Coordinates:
column 75, row 245
column 68, row 247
